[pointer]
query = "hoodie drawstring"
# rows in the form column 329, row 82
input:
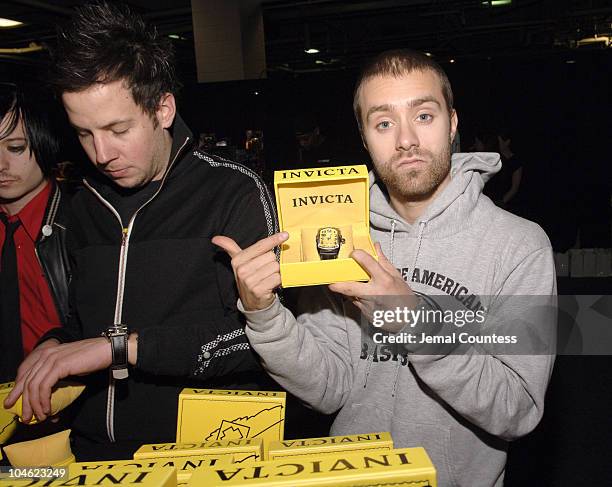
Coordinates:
column 397, row 371
column 419, row 240
column 369, row 366
column 392, row 240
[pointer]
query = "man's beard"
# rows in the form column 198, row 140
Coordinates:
column 419, row 183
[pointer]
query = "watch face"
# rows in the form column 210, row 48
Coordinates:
column 328, row 238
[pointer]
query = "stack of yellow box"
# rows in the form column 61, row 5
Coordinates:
column 236, row 438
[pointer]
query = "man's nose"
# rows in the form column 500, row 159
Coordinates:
column 407, row 137
column 105, row 152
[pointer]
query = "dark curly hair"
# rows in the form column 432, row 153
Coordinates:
column 106, row 42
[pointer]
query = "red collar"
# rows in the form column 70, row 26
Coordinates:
column 32, row 214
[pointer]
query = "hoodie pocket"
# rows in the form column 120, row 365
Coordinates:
column 436, row 439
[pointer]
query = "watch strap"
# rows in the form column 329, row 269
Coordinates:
column 119, row 367
column 328, row 256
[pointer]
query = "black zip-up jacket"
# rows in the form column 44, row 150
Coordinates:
column 50, row 248
column 162, row 277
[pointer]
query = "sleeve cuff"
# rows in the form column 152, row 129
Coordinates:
column 262, row 319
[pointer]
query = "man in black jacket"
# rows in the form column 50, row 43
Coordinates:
column 34, row 269
column 146, row 275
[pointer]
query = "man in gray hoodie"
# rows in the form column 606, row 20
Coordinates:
column 437, row 237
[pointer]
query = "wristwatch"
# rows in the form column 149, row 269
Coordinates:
column 117, row 335
column 329, row 240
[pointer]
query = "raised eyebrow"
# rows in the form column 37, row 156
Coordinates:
column 426, row 99
column 379, row 108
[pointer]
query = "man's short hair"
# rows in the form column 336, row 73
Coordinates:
column 397, row 63
column 21, row 105
column 106, row 42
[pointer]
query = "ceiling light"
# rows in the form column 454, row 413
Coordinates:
column 428, row 54
column 496, row 3
column 570, row 61
column 311, row 50
column 318, row 61
column 5, row 23
column 596, row 39
column 452, row 61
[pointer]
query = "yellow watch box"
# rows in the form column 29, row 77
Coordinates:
column 239, row 450
column 326, row 213
column 408, row 466
column 156, row 477
column 206, row 415
column 331, row 445
column 8, row 420
column 184, row 466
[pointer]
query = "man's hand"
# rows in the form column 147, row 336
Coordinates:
column 256, row 269
column 385, row 289
column 50, row 362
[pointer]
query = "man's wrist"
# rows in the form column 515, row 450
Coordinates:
column 118, row 337
column 133, row 348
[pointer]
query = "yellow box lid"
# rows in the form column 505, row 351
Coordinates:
column 329, row 195
column 184, row 466
column 331, row 444
column 212, row 414
column 380, row 468
column 155, row 477
column 217, row 447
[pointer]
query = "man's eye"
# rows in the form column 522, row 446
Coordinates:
column 16, row 149
column 82, row 135
column 383, row 125
column 120, row 132
column 425, row 117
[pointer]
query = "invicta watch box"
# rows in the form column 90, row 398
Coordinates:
column 239, row 450
column 184, row 466
column 326, row 213
column 408, row 466
column 330, row 445
column 146, row 477
column 206, row 415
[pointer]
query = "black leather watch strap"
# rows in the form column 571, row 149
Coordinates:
column 119, row 366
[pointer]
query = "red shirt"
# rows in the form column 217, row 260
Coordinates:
column 37, row 307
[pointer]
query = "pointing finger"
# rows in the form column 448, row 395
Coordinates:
column 227, row 244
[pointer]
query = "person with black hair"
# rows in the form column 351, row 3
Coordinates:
column 146, row 275
column 34, row 268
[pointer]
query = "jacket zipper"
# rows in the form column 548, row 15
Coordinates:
column 123, row 255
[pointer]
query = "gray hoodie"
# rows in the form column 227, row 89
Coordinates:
column 463, row 408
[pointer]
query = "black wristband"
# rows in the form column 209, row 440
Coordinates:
column 119, row 366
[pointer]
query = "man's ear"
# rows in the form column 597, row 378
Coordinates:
column 166, row 110
column 454, row 121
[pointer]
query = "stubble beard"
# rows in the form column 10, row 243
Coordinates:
column 416, row 184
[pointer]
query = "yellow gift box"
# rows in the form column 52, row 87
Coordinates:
column 311, row 199
column 213, row 414
column 330, row 445
column 184, row 466
column 157, row 477
column 8, row 420
column 238, row 450
column 407, row 466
